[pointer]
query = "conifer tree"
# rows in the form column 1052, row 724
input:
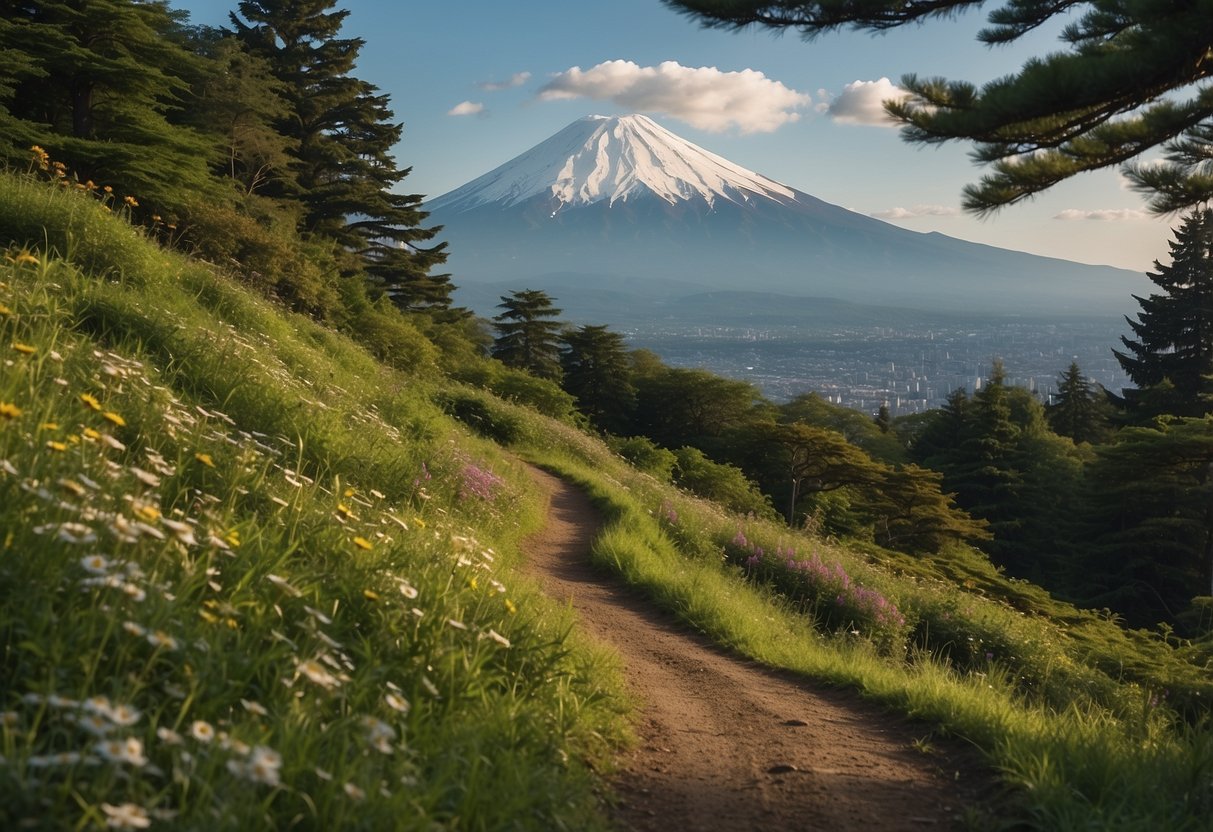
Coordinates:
column 1079, row 408
column 1174, row 329
column 597, row 372
column 343, row 133
column 528, row 333
column 97, row 83
column 1130, row 79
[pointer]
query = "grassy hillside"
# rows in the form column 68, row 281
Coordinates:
column 250, row 577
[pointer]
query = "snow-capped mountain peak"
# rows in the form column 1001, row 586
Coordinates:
column 599, row 158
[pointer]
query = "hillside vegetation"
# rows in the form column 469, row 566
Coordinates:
column 252, row 577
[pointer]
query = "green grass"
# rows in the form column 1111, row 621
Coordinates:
column 281, row 578
column 251, row 578
column 1082, row 741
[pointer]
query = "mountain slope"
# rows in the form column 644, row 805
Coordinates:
column 623, row 196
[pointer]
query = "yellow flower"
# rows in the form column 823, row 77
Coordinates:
column 9, row 411
column 233, row 538
column 147, row 512
column 510, row 607
column 49, row 426
column 115, row 418
column 25, row 349
column 344, row 510
column 472, row 583
column 370, row 595
column 420, row 523
column 90, row 400
column 26, row 259
column 4, row 310
column 208, row 617
column 57, row 446
column 205, row 459
column 362, row 543
column 131, row 201
column 349, row 492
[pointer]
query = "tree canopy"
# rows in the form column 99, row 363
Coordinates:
column 1128, row 80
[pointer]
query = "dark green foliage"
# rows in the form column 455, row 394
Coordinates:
column 873, row 435
column 1079, row 409
column 341, row 134
column 1153, row 519
column 1006, row 467
column 597, row 373
column 678, row 407
column 721, row 483
column 99, row 85
column 1130, row 80
column 1174, row 330
column 646, row 456
column 528, row 333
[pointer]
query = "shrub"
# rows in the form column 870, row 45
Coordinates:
column 642, row 453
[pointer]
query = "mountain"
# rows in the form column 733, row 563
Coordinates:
column 623, row 197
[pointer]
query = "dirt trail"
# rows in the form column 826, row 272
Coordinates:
column 726, row 744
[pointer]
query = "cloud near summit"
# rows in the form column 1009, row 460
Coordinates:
column 704, row 97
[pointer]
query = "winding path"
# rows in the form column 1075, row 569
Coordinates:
column 726, row 744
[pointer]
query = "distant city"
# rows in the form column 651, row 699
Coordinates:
column 908, row 369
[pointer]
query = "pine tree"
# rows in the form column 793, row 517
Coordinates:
column 1130, row 80
column 97, row 84
column 1079, row 408
column 528, row 334
column 343, row 133
column 597, row 372
column 1174, row 329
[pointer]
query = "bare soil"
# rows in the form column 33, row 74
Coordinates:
column 726, row 744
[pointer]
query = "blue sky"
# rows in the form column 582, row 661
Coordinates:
column 476, row 82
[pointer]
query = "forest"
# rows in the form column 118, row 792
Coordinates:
column 256, row 148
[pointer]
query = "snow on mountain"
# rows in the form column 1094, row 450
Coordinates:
column 598, row 159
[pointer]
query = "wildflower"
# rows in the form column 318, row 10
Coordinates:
column 130, row 201
column 182, row 531
column 25, row 259
column 326, row 776
column 96, row 564
column 75, row 533
column 396, row 702
column 510, row 607
column 315, row 672
column 128, row 751
column 202, row 731
column 124, row 715
column 354, row 792
column 72, row 487
column 137, row 630
column 91, row 401
column 254, row 707
column 63, row 758
column 205, row 459
column 379, row 734
column 24, row 349
column 318, row 615
column 159, row 639
column 145, row 477
column 458, row 625
column 169, row 737
column 146, row 512
column 362, row 543
column 40, row 156
column 9, row 411
column 370, row 595
column 56, row 446
column 126, row 816
column 114, row 417
column 95, row 724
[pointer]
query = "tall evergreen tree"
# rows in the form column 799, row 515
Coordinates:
column 1174, row 329
column 597, row 372
column 343, row 133
column 97, row 83
column 528, row 333
column 1132, row 77
column 1079, row 409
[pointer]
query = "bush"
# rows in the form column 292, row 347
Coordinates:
column 722, row 483
column 642, row 453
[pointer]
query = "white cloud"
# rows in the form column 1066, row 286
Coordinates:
column 704, row 97
column 862, row 102
column 1103, row 214
column 900, row 213
column 466, row 108
column 515, row 80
